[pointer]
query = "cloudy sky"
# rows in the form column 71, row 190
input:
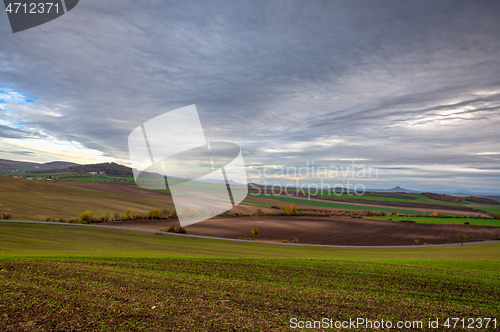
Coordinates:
column 409, row 87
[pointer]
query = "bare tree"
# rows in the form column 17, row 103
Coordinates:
column 462, row 238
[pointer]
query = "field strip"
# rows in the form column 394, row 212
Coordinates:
column 336, row 205
column 251, row 241
column 438, row 208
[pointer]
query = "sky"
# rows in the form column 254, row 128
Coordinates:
column 409, row 88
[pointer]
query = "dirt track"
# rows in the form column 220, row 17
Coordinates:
column 326, row 230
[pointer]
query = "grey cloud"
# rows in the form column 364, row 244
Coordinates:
column 21, row 153
column 19, row 133
column 267, row 74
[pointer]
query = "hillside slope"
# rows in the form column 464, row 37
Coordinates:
column 36, row 200
column 46, row 166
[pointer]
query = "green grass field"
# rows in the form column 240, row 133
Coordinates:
column 488, row 208
column 492, row 209
column 36, row 200
column 66, row 277
column 451, row 221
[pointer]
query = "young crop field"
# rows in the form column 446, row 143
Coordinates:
column 490, row 209
column 59, row 277
column 450, row 221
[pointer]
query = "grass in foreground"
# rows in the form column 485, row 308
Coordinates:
column 229, row 294
column 123, row 280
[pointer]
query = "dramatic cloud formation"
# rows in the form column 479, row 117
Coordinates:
column 411, row 87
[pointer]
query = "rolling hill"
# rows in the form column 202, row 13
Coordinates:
column 36, row 200
column 45, row 166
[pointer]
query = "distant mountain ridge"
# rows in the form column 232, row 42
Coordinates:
column 397, row 189
column 464, row 192
column 41, row 166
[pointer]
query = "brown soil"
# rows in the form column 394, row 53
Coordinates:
column 325, row 230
